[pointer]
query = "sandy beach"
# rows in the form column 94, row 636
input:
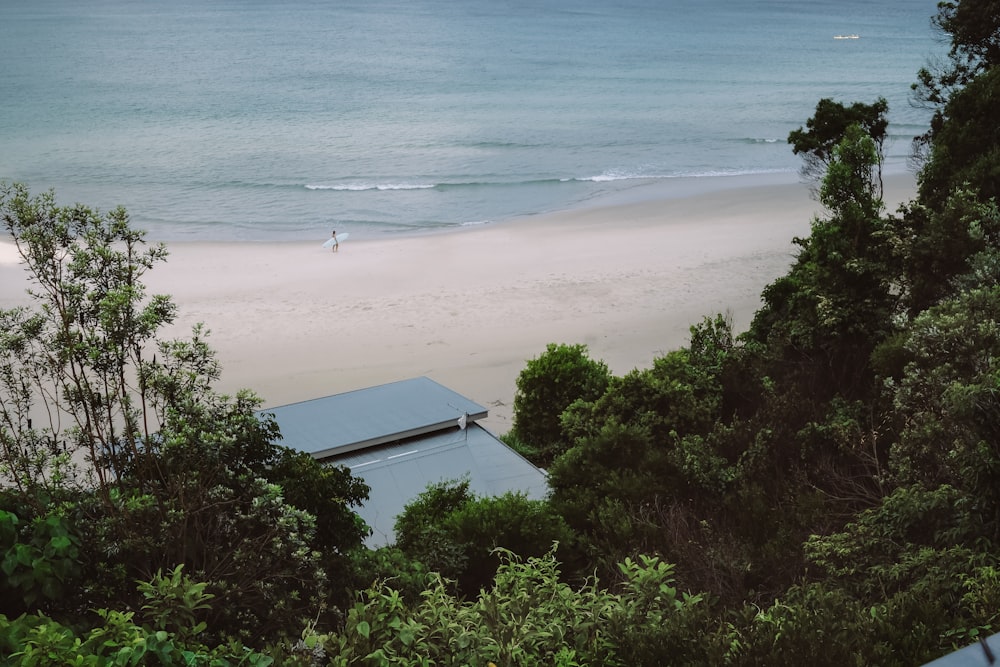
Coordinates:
column 469, row 307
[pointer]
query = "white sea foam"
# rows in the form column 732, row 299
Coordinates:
column 610, row 176
column 361, row 187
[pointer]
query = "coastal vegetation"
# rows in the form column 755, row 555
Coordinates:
column 819, row 489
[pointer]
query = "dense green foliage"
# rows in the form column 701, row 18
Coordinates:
column 455, row 533
column 546, row 387
column 819, row 489
column 527, row 616
column 119, row 461
column 164, row 632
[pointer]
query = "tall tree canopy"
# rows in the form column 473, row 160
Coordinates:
column 826, row 129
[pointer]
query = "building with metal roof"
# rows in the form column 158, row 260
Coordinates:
column 399, row 438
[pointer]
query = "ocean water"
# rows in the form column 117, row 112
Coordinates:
column 272, row 121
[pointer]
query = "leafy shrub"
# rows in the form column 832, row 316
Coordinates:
column 39, row 561
column 528, row 616
column 454, row 533
column 171, row 637
column 171, row 472
column 547, row 386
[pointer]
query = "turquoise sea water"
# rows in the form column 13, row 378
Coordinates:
column 261, row 120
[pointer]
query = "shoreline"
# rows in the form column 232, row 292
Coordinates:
column 469, row 306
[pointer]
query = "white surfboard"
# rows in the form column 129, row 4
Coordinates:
column 341, row 237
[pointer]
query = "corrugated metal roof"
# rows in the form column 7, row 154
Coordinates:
column 401, row 437
column 399, row 472
column 335, row 424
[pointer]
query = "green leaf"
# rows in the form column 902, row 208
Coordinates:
column 60, row 543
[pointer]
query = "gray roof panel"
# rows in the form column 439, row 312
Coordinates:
column 334, row 424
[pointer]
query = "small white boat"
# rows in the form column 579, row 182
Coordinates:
column 847, row 36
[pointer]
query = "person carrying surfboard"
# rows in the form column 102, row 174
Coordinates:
column 333, row 243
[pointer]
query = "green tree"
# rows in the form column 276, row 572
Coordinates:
column 944, row 242
column 961, row 147
column 328, row 493
column 917, row 570
column 960, row 152
column 826, row 129
column 656, row 456
column 837, row 302
column 83, row 354
column 420, row 533
column 512, row 521
column 455, row 533
column 125, row 428
column 547, row 386
column 680, row 394
column 947, row 401
column 973, row 29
